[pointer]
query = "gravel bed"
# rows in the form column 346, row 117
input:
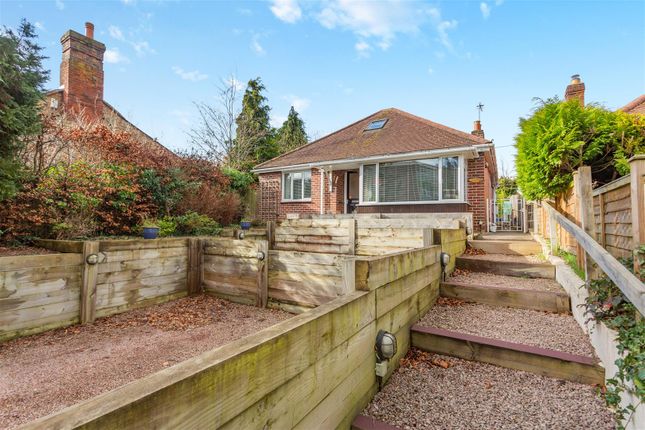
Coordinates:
column 44, row 373
column 511, row 258
column 469, row 395
column 543, row 329
column 492, row 280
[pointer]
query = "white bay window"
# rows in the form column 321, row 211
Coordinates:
column 296, row 186
column 429, row 180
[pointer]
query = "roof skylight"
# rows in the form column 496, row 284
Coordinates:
column 375, row 125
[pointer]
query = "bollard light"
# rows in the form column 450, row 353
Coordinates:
column 385, row 345
column 260, row 256
column 445, row 259
column 469, row 230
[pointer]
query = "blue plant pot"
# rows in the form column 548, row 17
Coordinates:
column 245, row 225
column 150, row 232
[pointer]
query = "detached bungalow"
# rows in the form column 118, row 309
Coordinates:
column 388, row 162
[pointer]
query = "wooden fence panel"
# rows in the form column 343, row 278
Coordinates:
column 136, row 273
column 329, row 236
column 39, row 292
column 613, row 217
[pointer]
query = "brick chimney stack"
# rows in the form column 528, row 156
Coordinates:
column 477, row 129
column 81, row 72
column 575, row 90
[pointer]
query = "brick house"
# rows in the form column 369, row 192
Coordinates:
column 388, row 162
column 636, row 106
column 81, row 87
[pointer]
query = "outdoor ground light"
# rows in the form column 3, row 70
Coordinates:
column 385, row 345
column 445, row 259
column 469, row 230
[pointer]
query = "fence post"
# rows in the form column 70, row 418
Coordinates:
column 637, row 173
column 584, row 204
column 195, row 265
column 553, row 233
column 90, row 276
column 351, row 232
column 263, row 275
column 271, row 233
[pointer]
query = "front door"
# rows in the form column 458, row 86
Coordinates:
column 352, row 192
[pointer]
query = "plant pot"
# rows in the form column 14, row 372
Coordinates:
column 245, row 225
column 150, row 232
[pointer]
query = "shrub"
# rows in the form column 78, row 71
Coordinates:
column 167, row 226
column 223, row 206
column 193, row 223
column 240, row 181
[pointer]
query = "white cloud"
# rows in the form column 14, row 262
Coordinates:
column 193, row 76
column 485, row 9
column 60, row 5
column 287, row 10
column 256, row 47
column 115, row 32
column 277, row 120
column 363, row 48
column 430, row 70
column 113, row 56
column 142, row 48
column 299, row 103
column 232, row 80
column 442, row 30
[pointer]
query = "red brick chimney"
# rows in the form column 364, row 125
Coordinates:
column 81, row 72
column 477, row 129
column 575, row 90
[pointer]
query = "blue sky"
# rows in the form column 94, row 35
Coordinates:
column 338, row 61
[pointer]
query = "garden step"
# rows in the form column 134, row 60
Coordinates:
column 542, row 361
column 511, row 297
column 520, row 267
column 362, row 422
column 508, row 247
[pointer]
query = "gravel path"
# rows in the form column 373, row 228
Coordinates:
column 492, row 280
column 512, row 258
column 469, row 395
column 547, row 330
column 44, row 373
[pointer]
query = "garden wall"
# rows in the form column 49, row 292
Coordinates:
column 453, row 242
column 38, row 293
column 315, row 370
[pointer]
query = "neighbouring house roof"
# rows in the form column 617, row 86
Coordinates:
column 402, row 133
column 635, row 106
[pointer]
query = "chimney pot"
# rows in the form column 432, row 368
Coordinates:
column 477, row 129
column 575, row 90
column 89, row 30
column 478, row 125
column 575, row 79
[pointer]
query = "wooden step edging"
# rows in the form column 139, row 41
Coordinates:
column 547, row 301
column 508, row 247
column 542, row 361
column 507, row 268
column 362, row 422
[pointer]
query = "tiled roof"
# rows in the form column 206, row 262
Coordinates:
column 635, row 106
column 403, row 132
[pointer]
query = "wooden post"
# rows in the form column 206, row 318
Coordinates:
column 348, row 271
column 90, row 276
column 263, row 275
column 637, row 176
column 429, row 236
column 603, row 234
column 271, row 233
column 553, row 233
column 584, row 204
column 195, row 266
column 351, row 232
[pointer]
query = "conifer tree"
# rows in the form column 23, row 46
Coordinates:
column 292, row 134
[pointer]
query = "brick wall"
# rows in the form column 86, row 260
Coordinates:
column 476, row 193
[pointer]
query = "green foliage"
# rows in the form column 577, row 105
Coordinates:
column 194, row 224
column 166, row 188
column 253, row 128
column 240, row 181
column 561, row 136
column 608, row 304
column 571, row 260
column 292, row 134
column 506, row 187
column 167, row 226
column 21, row 84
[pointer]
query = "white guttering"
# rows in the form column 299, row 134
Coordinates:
column 472, row 149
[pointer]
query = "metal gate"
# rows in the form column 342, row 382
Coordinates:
column 507, row 214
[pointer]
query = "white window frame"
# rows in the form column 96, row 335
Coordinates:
column 441, row 200
column 306, row 199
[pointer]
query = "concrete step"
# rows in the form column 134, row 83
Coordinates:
column 508, row 268
column 508, row 247
column 517, row 356
column 510, row 297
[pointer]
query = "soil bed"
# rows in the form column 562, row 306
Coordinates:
column 492, row 280
column 6, row 251
column 422, row 394
column 547, row 330
column 44, row 373
column 510, row 258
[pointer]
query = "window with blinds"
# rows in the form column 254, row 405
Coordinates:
column 296, row 185
column 427, row 180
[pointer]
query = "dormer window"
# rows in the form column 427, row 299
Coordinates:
column 375, row 125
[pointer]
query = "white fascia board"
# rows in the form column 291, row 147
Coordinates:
column 467, row 151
